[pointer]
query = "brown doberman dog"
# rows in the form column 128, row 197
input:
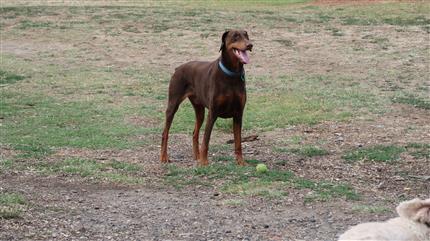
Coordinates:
column 218, row 86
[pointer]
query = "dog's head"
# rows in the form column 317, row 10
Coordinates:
column 417, row 210
column 236, row 42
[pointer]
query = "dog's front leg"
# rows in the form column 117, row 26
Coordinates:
column 237, row 130
column 206, row 137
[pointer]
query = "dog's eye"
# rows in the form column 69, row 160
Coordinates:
column 235, row 37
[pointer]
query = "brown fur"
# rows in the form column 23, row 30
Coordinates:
column 207, row 86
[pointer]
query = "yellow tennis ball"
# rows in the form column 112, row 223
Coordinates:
column 261, row 168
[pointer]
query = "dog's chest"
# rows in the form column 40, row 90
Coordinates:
column 230, row 103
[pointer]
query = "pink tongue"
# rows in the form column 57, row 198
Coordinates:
column 244, row 56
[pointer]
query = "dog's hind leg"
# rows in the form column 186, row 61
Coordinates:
column 177, row 94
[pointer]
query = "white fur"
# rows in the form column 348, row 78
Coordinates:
column 409, row 226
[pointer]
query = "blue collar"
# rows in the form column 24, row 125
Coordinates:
column 231, row 73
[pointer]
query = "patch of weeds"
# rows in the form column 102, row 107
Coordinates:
column 321, row 18
column 11, row 205
column 221, row 147
column 40, row 123
column 160, row 27
column 307, row 150
column 296, row 140
column 111, row 171
column 29, row 11
column 285, row 42
column 370, row 209
column 253, row 161
column 378, row 153
column 419, row 150
column 296, row 100
column 414, row 21
column 6, row 164
column 291, row 100
column 281, row 149
column 358, row 21
column 131, row 29
column 246, row 181
column 382, row 42
column 9, row 78
column 335, row 31
column 233, row 202
column 281, row 162
column 184, row 119
column 223, row 158
column 27, row 24
column 161, row 97
column 323, row 191
column 32, row 151
column 225, row 125
column 415, row 101
column 310, row 7
column 204, row 35
column 181, row 177
column 268, row 190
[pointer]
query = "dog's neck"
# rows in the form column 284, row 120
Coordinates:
column 235, row 66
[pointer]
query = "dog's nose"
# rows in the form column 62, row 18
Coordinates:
column 249, row 46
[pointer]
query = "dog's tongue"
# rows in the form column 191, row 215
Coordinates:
column 243, row 56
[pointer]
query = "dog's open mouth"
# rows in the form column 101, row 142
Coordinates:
column 242, row 55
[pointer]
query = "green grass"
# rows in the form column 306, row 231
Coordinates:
column 27, row 24
column 285, row 42
column 291, row 100
column 233, row 202
column 29, row 151
column 6, row 164
column 46, row 123
column 245, row 181
column 110, row 171
column 306, row 150
column 81, row 96
column 370, row 209
column 348, row 20
column 415, row 101
column 378, row 153
column 402, row 14
column 414, row 21
column 11, row 205
column 9, row 78
column 419, row 150
column 86, row 114
column 309, row 151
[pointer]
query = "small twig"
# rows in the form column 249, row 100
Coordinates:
column 424, row 178
column 246, row 139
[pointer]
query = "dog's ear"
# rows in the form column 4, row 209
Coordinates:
column 224, row 36
column 417, row 210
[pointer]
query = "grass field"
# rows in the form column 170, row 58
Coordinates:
column 338, row 94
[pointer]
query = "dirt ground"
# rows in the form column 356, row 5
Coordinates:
column 66, row 207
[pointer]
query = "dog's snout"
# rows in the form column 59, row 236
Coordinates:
column 249, row 46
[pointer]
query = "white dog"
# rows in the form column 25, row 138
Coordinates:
column 412, row 225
